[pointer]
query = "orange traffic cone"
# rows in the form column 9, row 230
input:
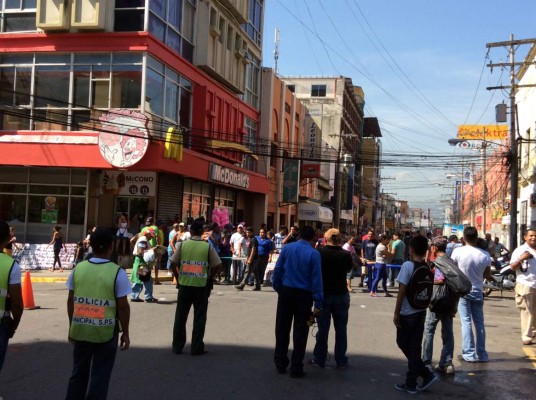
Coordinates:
column 27, row 293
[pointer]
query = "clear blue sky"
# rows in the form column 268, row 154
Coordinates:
column 418, row 61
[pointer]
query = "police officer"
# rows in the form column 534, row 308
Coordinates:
column 11, row 306
column 98, row 309
column 195, row 262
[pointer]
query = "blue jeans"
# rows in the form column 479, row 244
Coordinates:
column 4, row 338
column 137, row 287
column 380, row 272
column 393, row 272
column 471, row 309
column 335, row 306
column 97, row 359
column 447, row 335
column 170, row 254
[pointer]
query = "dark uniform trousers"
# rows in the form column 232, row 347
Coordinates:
column 292, row 304
column 188, row 296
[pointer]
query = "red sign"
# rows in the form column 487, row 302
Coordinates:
column 310, row 170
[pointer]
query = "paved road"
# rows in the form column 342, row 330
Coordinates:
column 240, row 340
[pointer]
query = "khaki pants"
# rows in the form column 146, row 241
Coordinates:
column 526, row 303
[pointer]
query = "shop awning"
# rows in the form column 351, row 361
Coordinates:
column 312, row 212
column 222, row 144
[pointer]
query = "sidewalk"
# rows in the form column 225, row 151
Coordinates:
column 46, row 276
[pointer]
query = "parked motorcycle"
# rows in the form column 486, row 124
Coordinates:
column 504, row 279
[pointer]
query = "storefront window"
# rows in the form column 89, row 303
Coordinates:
column 63, row 203
column 196, row 200
column 223, row 206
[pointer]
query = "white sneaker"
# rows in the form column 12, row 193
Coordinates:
column 169, row 273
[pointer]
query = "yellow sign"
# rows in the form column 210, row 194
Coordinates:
column 483, row 132
column 173, row 145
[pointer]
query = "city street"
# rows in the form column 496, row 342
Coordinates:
column 239, row 364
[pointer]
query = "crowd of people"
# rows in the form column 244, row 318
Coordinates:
column 312, row 274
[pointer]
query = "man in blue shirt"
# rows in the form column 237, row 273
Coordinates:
column 266, row 246
column 298, row 281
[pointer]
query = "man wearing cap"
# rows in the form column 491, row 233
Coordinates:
column 156, row 240
column 336, row 264
column 98, row 310
column 238, row 245
column 142, row 246
column 439, row 249
column 11, row 306
column 297, row 280
column 194, row 262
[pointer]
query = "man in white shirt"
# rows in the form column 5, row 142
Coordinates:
column 238, row 247
column 524, row 263
column 474, row 263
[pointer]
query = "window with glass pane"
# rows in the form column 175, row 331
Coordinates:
column 157, row 27
column 12, row 207
column 126, row 86
column 37, row 208
column 154, row 90
column 318, row 91
column 175, row 13
column 172, row 100
column 129, row 15
column 78, row 210
column 7, row 86
column 52, row 86
column 82, row 77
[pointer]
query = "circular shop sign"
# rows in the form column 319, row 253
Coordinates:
column 123, row 139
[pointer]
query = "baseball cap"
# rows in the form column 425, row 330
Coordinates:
column 240, row 226
column 100, row 239
column 332, row 234
column 182, row 224
column 149, row 221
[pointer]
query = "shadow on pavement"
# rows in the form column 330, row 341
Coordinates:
column 40, row 371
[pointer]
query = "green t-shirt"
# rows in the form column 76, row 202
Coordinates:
column 398, row 247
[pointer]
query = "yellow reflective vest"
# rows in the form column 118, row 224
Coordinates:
column 194, row 265
column 95, row 311
column 6, row 265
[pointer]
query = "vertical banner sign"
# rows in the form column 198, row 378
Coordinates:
column 291, row 180
column 348, row 201
column 311, row 169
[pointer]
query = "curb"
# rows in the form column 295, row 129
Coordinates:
column 63, row 279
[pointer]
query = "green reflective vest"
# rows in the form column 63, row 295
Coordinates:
column 193, row 267
column 95, row 311
column 6, row 265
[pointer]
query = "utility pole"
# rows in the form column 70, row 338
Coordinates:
column 512, row 45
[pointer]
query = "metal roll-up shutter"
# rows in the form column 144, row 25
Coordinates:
column 169, row 200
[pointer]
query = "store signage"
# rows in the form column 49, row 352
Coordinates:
column 311, row 169
column 228, row 176
column 291, row 180
column 123, row 139
column 482, row 132
column 125, row 183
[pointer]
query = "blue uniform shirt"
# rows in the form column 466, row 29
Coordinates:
column 299, row 266
column 265, row 246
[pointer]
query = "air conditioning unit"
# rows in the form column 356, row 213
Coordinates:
column 88, row 14
column 53, row 15
column 239, row 50
column 214, row 23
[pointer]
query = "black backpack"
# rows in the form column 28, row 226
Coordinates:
column 455, row 279
column 420, row 286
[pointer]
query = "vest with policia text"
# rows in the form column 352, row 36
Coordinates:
column 6, row 265
column 193, row 267
column 95, row 311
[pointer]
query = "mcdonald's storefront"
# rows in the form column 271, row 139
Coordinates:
column 66, row 178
